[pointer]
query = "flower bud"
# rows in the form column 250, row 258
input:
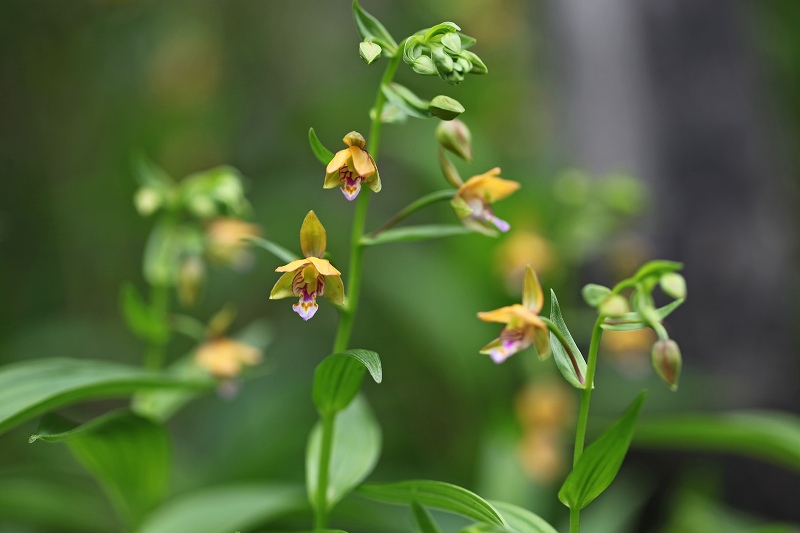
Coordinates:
column 424, row 65
column 443, row 62
column 445, row 108
column 478, row 67
column 595, row 295
column 666, row 359
column 673, row 284
column 369, row 51
column 455, row 136
column 147, row 201
column 191, row 276
column 452, row 42
column 614, row 306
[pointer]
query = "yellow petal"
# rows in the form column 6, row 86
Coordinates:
column 334, row 290
column 354, row 139
column 283, row 289
column 331, row 180
column 502, row 315
column 491, row 346
column 291, row 267
column 488, row 187
column 362, row 162
column 532, row 295
column 541, row 340
column 338, row 161
column 324, row 267
column 313, row 239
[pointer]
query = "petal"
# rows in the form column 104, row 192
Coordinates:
column 374, row 181
column 306, row 307
column 313, row 239
column 460, row 206
column 338, row 161
column 291, row 267
column 331, row 180
column 362, row 162
column 334, row 290
column 499, row 223
column 351, row 188
column 500, row 350
column 488, row 187
column 541, row 340
column 502, row 315
column 282, row 289
column 324, row 267
column 532, row 295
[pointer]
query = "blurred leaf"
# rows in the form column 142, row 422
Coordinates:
column 148, row 174
column 224, row 509
column 355, row 452
column 129, row 455
column 423, row 519
column 600, row 462
column 405, row 99
column 656, row 268
column 566, row 364
column 278, row 251
column 415, row 233
column 323, row 154
column 337, row 378
column 370, row 29
column 519, row 521
column 767, row 435
column 138, row 317
column 435, row 494
column 631, row 321
column 30, row 388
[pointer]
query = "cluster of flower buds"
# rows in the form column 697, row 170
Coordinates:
column 442, row 51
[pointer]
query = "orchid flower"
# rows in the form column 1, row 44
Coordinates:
column 474, row 199
column 351, row 166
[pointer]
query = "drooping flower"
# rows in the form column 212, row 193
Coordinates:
column 523, row 327
column 310, row 277
column 352, row 166
column 474, row 199
column 225, row 358
column 225, row 238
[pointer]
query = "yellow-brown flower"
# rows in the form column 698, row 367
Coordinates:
column 352, row 166
column 474, row 199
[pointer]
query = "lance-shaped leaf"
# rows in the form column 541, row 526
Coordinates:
column 600, row 462
column 415, row 233
column 129, row 455
column 338, row 377
column 355, row 452
column 323, row 154
column 519, row 521
column 370, row 29
column 435, row 494
column 138, row 317
column 568, row 358
column 225, row 509
column 31, row 388
column 423, row 519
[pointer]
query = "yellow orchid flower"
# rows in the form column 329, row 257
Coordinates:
column 474, row 199
column 523, row 325
column 310, row 277
column 224, row 358
column 351, row 166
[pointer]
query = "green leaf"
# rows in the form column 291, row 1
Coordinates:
column 519, row 521
column 225, row 509
column 370, row 29
column 415, row 233
column 138, row 317
column 656, row 267
column 768, row 435
column 148, row 174
column 129, row 455
column 355, row 452
column 337, row 378
column 278, row 251
column 162, row 253
column 572, row 366
column 600, row 462
column 631, row 321
column 30, row 388
column 405, row 99
column 435, row 494
column 323, row 154
column 424, row 520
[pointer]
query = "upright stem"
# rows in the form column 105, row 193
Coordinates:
column 348, row 313
column 583, row 414
column 159, row 306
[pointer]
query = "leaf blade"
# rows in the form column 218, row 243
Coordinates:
column 415, row 233
column 323, row 154
column 338, row 377
column 370, row 29
column 423, row 519
column 572, row 367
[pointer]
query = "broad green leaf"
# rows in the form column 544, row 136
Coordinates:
column 224, row 509
column 656, row 268
column 370, row 29
column 572, row 366
column 129, row 455
column 519, row 521
column 355, row 452
column 600, row 462
column 768, row 435
column 278, row 251
column 415, row 233
column 405, row 99
column 424, row 520
column 435, row 494
column 31, row 388
column 323, row 154
column 631, row 321
column 138, row 317
column 337, row 378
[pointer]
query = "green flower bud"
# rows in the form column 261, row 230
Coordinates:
column 455, row 137
column 453, row 78
column 147, row 200
column 614, row 306
column 452, row 42
column 666, row 359
column 595, row 295
column 369, row 51
column 673, row 285
column 478, row 67
column 445, row 108
column 443, row 62
column 465, row 65
column 424, row 65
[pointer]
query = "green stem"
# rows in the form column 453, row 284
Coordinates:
column 583, row 413
column 159, row 306
column 321, row 498
column 415, row 206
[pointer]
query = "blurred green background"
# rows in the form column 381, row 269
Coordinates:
column 86, row 86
